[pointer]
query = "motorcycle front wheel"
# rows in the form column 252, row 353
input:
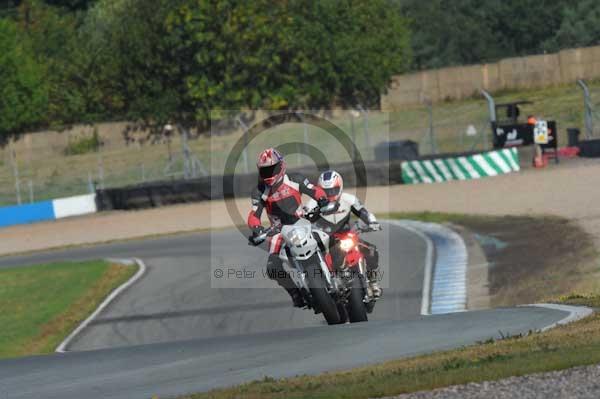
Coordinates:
column 357, row 310
column 320, row 296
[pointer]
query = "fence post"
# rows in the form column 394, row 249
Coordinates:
column 431, row 133
column 15, row 168
column 353, row 131
column 588, row 110
column 185, row 150
column 245, row 151
column 91, row 187
column 305, row 140
column 100, row 171
column 30, row 191
column 365, row 114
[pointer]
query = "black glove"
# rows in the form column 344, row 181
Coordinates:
column 322, row 202
column 375, row 226
column 258, row 230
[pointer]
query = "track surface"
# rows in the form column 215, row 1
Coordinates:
column 176, row 368
column 236, row 335
column 174, row 300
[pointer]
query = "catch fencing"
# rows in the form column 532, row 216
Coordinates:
column 41, row 166
column 591, row 106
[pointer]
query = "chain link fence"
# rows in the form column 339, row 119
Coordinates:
column 591, row 106
column 48, row 165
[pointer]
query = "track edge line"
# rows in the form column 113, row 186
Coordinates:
column 575, row 313
column 62, row 348
column 429, row 258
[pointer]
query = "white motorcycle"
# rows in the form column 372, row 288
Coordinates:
column 338, row 294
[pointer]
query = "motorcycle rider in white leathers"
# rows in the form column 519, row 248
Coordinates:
column 332, row 183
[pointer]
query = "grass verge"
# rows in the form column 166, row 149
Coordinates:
column 40, row 305
column 575, row 344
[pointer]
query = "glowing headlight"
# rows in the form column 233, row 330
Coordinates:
column 297, row 236
column 347, row 244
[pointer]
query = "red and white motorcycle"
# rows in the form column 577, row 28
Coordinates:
column 339, row 292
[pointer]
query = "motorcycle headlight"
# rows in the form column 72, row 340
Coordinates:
column 297, row 236
column 346, row 244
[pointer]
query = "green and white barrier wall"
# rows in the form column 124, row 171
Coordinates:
column 468, row 167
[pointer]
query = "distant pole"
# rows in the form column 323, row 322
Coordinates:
column 185, row 150
column 588, row 110
column 431, row 132
column 353, row 130
column 366, row 125
column 492, row 112
column 100, row 171
column 30, row 191
column 91, row 187
column 305, row 137
column 15, row 167
column 245, row 128
column 485, row 140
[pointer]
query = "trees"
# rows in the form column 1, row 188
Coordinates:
column 53, row 36
column 462, row 32
column 579, row 26
column 268, row 54
column 176, row 60
column 450, row 33
column 23, row 92
column 365, row 54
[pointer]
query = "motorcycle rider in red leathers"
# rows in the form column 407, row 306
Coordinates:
column 280, row 195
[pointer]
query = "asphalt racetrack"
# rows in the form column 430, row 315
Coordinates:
column 171, row 333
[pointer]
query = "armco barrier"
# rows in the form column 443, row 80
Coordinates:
column 467, row 167
column 47, row 210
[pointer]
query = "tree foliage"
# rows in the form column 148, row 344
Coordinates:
column 176, row 60
column 579, row 27
column 461, row 32
column 158, row 61
column 23, row 92
column 288, row 54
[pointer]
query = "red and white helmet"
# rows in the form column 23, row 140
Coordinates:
column 271, row 166
column 332, row 182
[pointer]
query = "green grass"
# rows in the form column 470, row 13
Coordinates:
column 40, row 305
column 566, row 346
column 83, row 145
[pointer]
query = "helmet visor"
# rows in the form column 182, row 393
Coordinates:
column 333, row 191
column 270, row 171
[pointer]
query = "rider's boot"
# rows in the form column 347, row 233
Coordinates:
column 374, row 288
column 296, row 297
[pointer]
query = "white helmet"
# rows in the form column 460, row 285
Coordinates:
column 333, row 184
